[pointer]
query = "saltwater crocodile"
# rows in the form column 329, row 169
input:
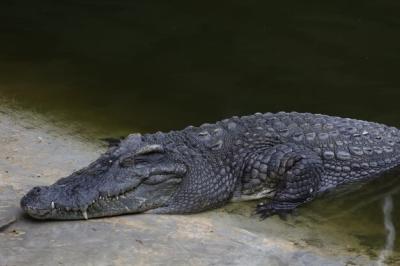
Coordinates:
column 286, row 158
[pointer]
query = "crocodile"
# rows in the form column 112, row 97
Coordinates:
column 285, row 159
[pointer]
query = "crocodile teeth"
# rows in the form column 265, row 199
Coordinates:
column 84, row 213
column 52, row 205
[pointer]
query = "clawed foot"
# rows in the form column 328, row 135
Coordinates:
column 266, row 210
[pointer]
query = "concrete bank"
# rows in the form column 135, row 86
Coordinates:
column 35, row 152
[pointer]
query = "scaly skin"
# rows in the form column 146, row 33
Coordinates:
column 287, row 158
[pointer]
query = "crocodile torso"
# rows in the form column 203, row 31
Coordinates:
column 348, row 149
column 288, row 158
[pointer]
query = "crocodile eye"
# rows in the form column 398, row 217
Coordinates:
column 143, row 158
column 146, row 154
column 149, row 157
column 126, row 162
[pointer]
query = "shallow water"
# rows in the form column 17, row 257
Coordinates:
column 121, row 67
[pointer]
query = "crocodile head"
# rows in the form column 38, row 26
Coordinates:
column 138, row 175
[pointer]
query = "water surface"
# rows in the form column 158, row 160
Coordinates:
column 118, row 67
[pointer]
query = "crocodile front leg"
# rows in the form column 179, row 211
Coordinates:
column 295, row 173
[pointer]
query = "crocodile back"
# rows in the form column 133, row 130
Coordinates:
column 351, row 149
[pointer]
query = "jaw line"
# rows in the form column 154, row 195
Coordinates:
column 36, row 213
column 63, row 212
column 77, row 213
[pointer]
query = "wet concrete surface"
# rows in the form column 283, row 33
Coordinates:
column 35, row 152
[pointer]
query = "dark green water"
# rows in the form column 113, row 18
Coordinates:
column 123, row 66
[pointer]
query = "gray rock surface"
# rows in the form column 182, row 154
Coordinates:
column 34, row 152
column 8, row 206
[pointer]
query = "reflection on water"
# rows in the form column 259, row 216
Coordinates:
column 119, row 67
column 357, row 211
column 390, row 230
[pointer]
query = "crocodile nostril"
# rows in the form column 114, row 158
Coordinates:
column 36, row 189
